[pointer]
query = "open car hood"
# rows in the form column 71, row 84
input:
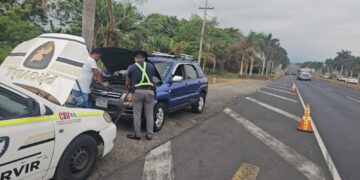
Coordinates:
column 50, row 63
column 116, row 59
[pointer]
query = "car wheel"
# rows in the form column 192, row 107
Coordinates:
column 78, row 159
column 198, row 107
column 160, row 111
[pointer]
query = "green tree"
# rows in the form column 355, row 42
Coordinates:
column 16, row 26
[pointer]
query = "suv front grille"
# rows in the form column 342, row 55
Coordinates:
column 106, row 93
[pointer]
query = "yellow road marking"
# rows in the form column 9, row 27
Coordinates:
column 246, row 172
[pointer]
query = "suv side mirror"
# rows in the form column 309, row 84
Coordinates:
column 177, row 78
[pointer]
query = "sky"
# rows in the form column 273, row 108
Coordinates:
column 310, row 30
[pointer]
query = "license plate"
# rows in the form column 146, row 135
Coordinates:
column 101, row 103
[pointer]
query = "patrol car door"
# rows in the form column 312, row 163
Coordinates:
column 178, row 90
column 26, row 138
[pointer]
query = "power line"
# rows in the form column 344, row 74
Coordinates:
column 190, row 4
column 220, row 16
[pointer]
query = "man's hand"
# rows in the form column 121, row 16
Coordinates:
column 105, row 83
column 97, row 75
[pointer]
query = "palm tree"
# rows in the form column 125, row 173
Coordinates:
column 242, row 48
column 88, row 21
column 109, row 31
column 251, row 48
column 267, row 44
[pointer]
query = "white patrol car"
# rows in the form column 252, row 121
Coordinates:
column 41, row 137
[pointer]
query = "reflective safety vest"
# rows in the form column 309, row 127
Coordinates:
column 145, row 80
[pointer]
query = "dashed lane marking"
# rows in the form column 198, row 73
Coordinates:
column 280, row 90
column 246, row 172
column 330, row 163
column 353, row 99
column 159, row 164
column 275, row 109
column 302, row 164
column 281, row 97
column 281, row 87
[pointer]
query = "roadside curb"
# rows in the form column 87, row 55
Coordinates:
column 331, row 166
column 343, row 84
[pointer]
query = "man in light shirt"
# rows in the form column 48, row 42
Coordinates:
column 90, row 70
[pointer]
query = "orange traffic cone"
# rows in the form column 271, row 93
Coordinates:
column 293, row 88
column 305, row 123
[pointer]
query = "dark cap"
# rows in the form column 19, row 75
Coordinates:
column 142, row 53
column 95, row 51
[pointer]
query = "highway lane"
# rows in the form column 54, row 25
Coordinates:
column 336, row 114
column 255, row 136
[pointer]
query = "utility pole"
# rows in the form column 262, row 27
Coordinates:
column 203, row 28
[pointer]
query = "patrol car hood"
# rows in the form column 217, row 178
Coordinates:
column 50, row 63
column 116, row 59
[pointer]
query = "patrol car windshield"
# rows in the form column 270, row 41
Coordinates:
column 163, row 68
column 11, row 106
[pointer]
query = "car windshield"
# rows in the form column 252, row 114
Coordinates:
column 163, row 68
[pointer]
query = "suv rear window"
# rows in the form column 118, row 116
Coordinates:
column 190, row 72
column 200, row 72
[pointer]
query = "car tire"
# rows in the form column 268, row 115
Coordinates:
column 78, row 159
column 199, row 106
column 160, row 112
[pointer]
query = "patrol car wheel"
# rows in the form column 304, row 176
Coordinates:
column 78, row 159
column 198, row 107
column 159, row 116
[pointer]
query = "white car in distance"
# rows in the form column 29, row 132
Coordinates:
column 352, row 80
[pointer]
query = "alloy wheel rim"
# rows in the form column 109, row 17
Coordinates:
column 201, row 103
column 159, row 117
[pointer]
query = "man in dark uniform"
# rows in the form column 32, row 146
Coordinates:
column 140, row 77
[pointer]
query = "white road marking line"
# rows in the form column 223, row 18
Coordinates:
column 330, row 163
column 158, row 164
column 328, row 89
column 280, row 111
column 282, row 87
column 353, row 99
column 281, row 97
column 305, row 166
column 279, row 90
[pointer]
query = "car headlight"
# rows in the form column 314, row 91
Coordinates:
column 107, row 117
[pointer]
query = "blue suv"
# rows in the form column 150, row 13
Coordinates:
column 180, row 83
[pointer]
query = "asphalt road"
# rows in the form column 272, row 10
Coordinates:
column 253, row 137
column 127, row 151
column 336, row 113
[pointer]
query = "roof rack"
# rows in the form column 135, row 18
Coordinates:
column 187, row 57
column 162, row 54
column 179, row 56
